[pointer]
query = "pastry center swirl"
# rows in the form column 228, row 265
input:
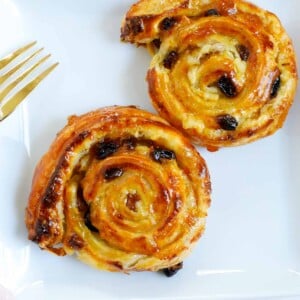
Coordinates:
column 214, row 61
column 217, row 63
column 129, row 193
column 124, row 191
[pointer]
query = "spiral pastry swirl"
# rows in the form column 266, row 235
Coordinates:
column 224, row 72
column 122, row 189
column 148, row 22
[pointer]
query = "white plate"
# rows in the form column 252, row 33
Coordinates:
column 252, row 244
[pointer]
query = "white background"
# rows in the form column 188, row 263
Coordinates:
column 251, row 247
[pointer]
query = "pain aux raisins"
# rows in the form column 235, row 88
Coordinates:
column 159, row 154
column 113, row 173
column 275, row 87
column 171, row 59
column 227, row 122
column 167, row 23
column 171, row 271
column 227, row 86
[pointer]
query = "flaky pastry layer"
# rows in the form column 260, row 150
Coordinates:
column 224, row 72
column 120, row 188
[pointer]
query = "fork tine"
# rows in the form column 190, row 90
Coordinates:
column 6, row 60
column 13, row 84
column 12, row 103
column 4, row 77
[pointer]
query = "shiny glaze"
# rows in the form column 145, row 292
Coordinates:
column 135, row 221
column 252, row 49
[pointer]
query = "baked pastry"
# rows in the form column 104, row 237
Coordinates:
column 148, row 22
column 122, row 189
column 225, row 71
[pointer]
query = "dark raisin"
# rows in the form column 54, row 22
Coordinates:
column 171, row 59
column 156, row 43
column 227, row 87
column 117, row 264
column 83, row 135
column 131, row 201
column 88, row 223
column 171, row 271
column 50, row 196
column 159, row 154
column 105, row 149
column 130, row 143
column 76, row 242
column 275, row 87
column 211, row 12
column 113, row 173
column 167, row 23
column 135, row 25
column 41, row 229
column 243, row 52
column 227, row 122
column 81, row 204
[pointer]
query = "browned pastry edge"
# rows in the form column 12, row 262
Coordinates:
column 253, row 95
column 98, row 155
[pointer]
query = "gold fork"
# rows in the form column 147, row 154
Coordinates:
column 8, row 106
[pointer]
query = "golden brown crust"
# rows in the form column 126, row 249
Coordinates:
column 225, row 71
column 120, row 188
column 148, row 20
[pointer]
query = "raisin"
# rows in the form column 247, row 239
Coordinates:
column 159, row 154
column 81, row 204
column 135, row 25
column 105, row 149
column 156, row 43
column 227, row 122
column 76, row 242
column 50, row 196
column 227, row 87
column 212, row 12
column 170, row 60
column 171, row 271
column 275, row 87
column 113, row 173
column 41, row 229
column 243, row 52
column 117, row 264
column 88, row 223
column 131, row 201
column 130, row 143
column 167, row 23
